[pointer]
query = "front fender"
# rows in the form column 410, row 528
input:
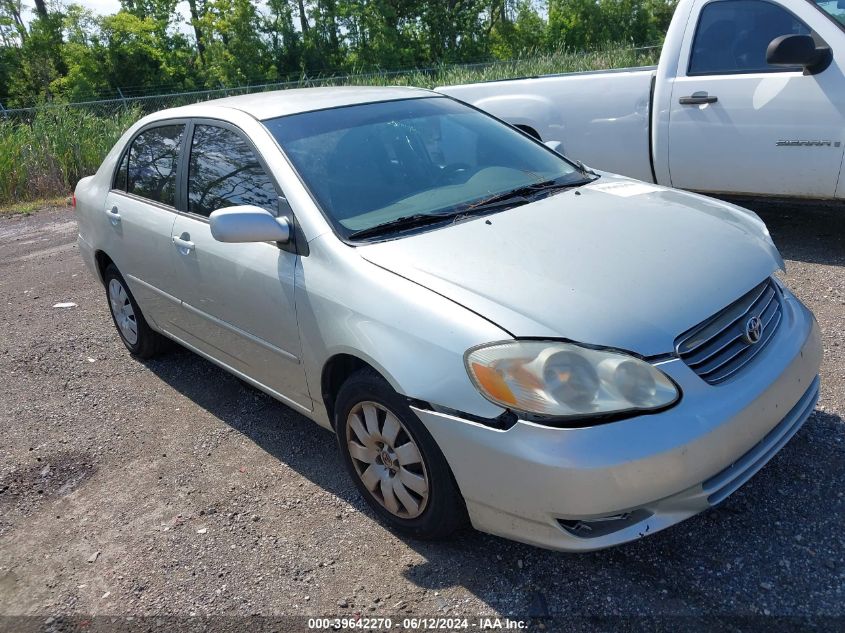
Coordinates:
column 414, row 337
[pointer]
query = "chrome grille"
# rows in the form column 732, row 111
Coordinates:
column 718, row 348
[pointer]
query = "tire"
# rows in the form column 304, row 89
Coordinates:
column 141, row 340
column 366, row 399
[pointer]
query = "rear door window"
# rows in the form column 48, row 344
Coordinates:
column 119, row 182
column 153, row 158
column 733, row 35
column 224, row 171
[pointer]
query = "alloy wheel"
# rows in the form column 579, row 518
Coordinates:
column 387, row 459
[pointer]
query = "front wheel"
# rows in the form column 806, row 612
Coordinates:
column 394, row 461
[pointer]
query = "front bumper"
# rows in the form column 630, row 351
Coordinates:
column 590, row 488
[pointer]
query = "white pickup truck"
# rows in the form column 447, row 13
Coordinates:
column 748, row 98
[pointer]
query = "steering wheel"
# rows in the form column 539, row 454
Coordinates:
column 450, row 173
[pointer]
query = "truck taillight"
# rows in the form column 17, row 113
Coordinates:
column 73, row 200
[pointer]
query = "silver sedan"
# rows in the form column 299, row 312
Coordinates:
column 496, row 334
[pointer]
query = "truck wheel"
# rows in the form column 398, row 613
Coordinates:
column 394, row 461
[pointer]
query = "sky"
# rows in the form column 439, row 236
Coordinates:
column 103, row 7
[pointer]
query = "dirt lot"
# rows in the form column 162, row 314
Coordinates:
column 169, row 487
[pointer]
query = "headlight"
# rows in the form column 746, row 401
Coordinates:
column 565, row 380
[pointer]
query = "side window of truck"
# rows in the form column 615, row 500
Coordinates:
column 732, row 37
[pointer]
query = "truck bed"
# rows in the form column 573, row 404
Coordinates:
column 607, row 111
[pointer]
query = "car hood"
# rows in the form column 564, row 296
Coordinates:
column 617, row 263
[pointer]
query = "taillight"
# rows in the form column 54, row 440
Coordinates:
column 73, row 199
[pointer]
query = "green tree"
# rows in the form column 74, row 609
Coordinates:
column 574, row 24
column 81, row 52
column 383, row 34
column 322, row 49
column 284, row 41
column 235, row 53
column 454, row 30
column 40, row 61
column 12, row 28
column 72, row 54
column 132, row 53
column 519, row 34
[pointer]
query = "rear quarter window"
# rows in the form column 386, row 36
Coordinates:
column 119, row 181
column 153, row 157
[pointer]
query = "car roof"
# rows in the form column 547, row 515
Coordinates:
column 268, row 105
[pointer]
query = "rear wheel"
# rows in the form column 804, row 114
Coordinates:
column 141, row 340
column 394, row 461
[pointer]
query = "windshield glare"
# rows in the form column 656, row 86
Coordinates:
column 374, row 163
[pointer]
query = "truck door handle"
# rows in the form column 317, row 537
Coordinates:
column 697, row 98
column 183, row 243
column 114, row 216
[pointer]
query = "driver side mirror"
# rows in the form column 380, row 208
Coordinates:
column 799, row 50
column 248, row 223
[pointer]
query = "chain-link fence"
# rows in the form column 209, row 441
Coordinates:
column 431, row 77
column 45, row 149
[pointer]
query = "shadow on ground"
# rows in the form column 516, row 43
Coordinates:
column 719, row 560
column 804, row 231
column 741, row 558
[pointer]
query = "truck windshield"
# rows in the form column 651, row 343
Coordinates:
column 834, row 8
column 383, row 164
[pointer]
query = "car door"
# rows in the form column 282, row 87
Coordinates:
column 237, row 299
column 738, row 124
column 140, row 211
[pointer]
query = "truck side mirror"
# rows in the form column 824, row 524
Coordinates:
column 799, row 50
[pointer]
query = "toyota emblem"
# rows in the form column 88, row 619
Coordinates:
column 753, row 330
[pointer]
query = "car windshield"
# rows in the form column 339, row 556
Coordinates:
column 417, row 159
column 834, row 8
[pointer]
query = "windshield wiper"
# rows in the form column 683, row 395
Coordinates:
column 400, row 224
column 519, row 196
column 509, row 199
column 500, row 202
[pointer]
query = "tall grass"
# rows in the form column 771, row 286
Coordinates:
column 15, row 163
column 47, row 155
column 530, row 65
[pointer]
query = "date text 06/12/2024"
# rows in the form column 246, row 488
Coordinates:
column 418, row 624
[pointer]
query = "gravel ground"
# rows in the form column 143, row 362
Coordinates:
column 169, row 487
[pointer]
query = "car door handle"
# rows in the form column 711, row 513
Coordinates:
column 697, row 98
column 113, row 215
column 183, row 243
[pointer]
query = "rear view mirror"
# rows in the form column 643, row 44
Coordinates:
column 798, row 50
column 248, row 223
column 555, row 146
